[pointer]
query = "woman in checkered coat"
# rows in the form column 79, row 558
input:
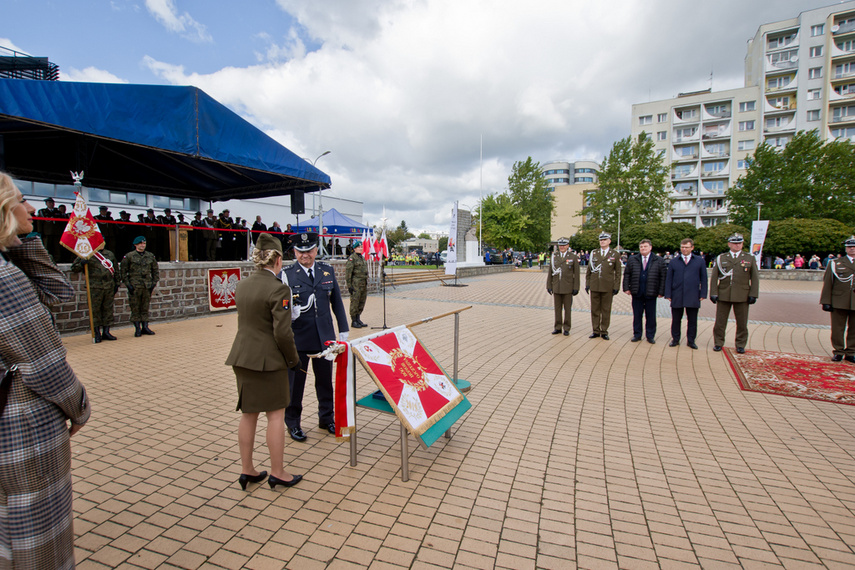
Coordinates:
column 44, row 394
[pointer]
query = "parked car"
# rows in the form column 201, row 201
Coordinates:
column 444, row 256
column 492, row 256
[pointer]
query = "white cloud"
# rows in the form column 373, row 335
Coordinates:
column 91, row 75
column 167, row 14
column 7, row 43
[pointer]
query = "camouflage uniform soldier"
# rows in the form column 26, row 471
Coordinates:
column 356, row 275
column 103, row 285
column 140, row 276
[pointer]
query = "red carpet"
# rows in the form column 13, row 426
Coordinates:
column 796, row 375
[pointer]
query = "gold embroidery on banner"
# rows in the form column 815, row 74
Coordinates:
column 408, row 370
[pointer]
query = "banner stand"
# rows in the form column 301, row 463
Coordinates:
column 439, row 429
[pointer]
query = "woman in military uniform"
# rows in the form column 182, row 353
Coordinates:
column 140, row 275
column 262, row 353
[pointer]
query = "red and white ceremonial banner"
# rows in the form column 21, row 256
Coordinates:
column 81, row 234
column 415, row 385
column 344, row 400
column 222, row 284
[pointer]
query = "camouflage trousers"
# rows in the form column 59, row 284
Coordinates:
column 357, row 301
column 139, row 301
column 102, row 307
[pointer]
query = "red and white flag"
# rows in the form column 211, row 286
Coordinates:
column 384, row 246
column 365, row 243
column 345, row 397
column 82, row 235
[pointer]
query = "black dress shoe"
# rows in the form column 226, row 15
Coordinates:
column 691, row 344
column 837, row 358
column 674, row 342
column 594, row 335
column 651, row 341
column 604, row 336
column 244, row 479
column 635, row 339
column 566, row 333
column 556, row 331
column 330, row 427
column 740, row 349
column 297, row 434
column 849, row 358
column 273, row 481
column 717, row 348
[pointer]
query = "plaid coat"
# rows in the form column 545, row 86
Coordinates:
column 35, row 455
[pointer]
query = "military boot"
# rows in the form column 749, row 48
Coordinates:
column 105, row 334
column 137, row 330
column 145, row 329
column 97, row 337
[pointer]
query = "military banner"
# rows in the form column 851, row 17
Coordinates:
column 221, row 288
column 451, row 260
column 758, row 238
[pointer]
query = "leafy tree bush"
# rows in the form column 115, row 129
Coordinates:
column 807, row 237
column 713, row 240
column 665, row 236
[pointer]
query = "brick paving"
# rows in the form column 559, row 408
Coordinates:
column 577, row 453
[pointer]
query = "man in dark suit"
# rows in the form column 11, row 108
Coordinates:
column 644, row 279
column 316, row 297
column 838, row 298
column 686, row 287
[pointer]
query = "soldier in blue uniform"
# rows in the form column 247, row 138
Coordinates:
column 316, row 297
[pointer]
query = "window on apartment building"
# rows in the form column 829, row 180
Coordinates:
column 847, row 133
column 716, row 186
column 776, row 122
column 842, row 113
column 847, row 45
column 780, row 102
column 645, row 120
column 716, row 166
column 779, row 82
column 661, row 135
column 661, row 117
column 845, row 89
column 784, row 57
column 747, row 106
column 844, row 69
column 817, row 30
column 781, row 41
column 687, row 150
column 718, row 110
column 746, row 125
column 717, row 149
column 813, row 115
column 815, row 73
column 687, row 114
column 814, row 94
column 816, row 51
column 584, row 179
column 585, row 170
column 686, row 188
column 777, row 142
column 683, row 170
column 745, row 145
column 741, row 164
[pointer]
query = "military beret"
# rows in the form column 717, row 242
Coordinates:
column 605, row 235
column 267, row 241
column 735, row 238
column 564, row 241
column 305, row 241
column 849, row 242
column 138, row 239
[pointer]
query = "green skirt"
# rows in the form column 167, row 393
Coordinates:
column 262, row 391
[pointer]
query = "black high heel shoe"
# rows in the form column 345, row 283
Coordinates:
column 244, row 479
column 273, row 481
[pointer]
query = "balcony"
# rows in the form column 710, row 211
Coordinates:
column 715, row 173
column 844, row 28
column 685, row 157
column 843, row 119
column 681, row 176
column 789, row 126
column 716, row 134
column 781, row 66
column 843, row 74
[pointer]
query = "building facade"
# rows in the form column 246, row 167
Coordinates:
column 799, row 75
column 570, row 183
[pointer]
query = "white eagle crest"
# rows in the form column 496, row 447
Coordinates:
column 223, row 288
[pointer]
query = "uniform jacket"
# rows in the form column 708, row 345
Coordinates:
column 99, row 276
column 356, row 271
column 140, row 269
column 837, row 284
column 743, row 282
column 563, row 275
column 686, row 284
column 264, row 340
column 656, row 270
column 603, row 273
column 314, row 326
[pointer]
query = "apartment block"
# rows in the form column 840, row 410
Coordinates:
column 569, row 182
column 799, row 75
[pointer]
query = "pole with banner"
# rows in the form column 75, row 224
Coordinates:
column 451, row 260
column 758, row 238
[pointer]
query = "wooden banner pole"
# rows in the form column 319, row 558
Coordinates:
column 89, row 301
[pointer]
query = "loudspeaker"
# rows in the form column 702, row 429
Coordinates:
column 298, row 202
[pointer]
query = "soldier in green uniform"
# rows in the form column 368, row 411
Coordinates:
column 734, row 282
column 562, row 282
column 838, row 298
column 356, row 274
column 602, row 282
column 103, row 284
column 140, row 276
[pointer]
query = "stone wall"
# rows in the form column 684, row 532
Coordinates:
column 181, row 293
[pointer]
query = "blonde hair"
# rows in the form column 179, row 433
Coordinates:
column 264, row 257
column 8, row 201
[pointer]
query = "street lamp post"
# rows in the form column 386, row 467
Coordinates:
column 321, row 249
column 618, row 228
column 759, row 205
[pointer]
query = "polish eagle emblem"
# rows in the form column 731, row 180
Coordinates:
column 223, row 287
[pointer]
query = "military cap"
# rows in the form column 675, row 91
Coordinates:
column 604, row 235
column 102, row 208
column 849, row 242
column 735, row 238
column 48, row 200
column 304, row 241
column 150, row 210
column 167, row 210
column 210, row 211
column 199, row 213
column 124, row 213
column 138, row 239
column 267, row 241
column 564, row 241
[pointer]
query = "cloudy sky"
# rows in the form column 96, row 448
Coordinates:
column 403, row 91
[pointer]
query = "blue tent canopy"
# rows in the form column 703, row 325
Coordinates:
column 334, row 222
column 169, row 140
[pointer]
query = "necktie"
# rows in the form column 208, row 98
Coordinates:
column 311, row 276
column 686, row 258
column 644, row 263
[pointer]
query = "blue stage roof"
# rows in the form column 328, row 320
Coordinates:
column 168, row 140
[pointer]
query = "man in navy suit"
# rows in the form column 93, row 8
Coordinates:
column 686, row 287
column 316, row 297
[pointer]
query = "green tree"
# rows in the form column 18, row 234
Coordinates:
column 585, row 239
column 713, row 240
column 443, row 243
column 807, row 179
column 633, row 177
column 789, row 237
column 519, row 218
column 397, row 235
column 424, row 235
column 665, row 236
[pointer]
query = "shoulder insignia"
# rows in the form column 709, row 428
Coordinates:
column 326, row 273
column 285, row 303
